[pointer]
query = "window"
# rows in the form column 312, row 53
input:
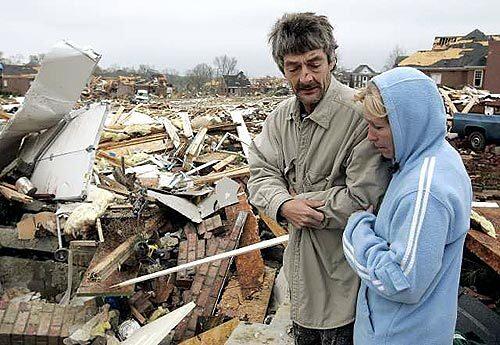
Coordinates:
column 478, row 78
column 436, row 77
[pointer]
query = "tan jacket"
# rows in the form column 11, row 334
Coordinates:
column 327, row 157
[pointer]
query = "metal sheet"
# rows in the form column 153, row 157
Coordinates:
column 63, row 74
column 65, row 168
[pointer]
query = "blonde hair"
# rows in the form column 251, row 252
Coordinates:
column 372, row 100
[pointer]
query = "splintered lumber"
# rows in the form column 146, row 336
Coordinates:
column 223, row 163
column 148, row 144
column 194, row 148
column 10, row 193
column 483, row 223
column 171, row 131
column 186, row 124
column 250, row 266
column 4, row 115
column 469, row 105
column 229, row 254
column 277, row 229
column 485, row 247
column 114, row 260
column 453, row 108
column 252, row 309
column 231, row 173
column 243, row 134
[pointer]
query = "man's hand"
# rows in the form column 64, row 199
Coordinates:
column 302, row 214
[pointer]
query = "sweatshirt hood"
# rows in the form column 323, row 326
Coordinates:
column 415, row 110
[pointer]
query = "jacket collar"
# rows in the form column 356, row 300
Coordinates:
column 321, row 114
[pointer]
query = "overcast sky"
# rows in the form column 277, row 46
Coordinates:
column 182, row 33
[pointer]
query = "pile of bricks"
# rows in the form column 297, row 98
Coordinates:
column 38, row 322
column 208, row 279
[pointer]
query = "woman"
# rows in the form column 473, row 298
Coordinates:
column 408, row 256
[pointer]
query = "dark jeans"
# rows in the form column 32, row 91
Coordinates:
column 335, row 336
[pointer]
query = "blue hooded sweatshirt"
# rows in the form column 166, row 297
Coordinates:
column 409, row 256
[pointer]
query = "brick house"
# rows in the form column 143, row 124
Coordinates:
column 360, row 76
column 457, row 61
column 16, row 79
column 236, row 85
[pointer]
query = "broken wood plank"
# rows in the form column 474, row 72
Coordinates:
column 243, row 134
column 171, row 131
column 114, row 260
column 482, row 223
column 194, row 148
column 229, row 254
column 276, row 229
column 250, row 266
column 233, row 304
column 223, row 163
column 232, row 173
column 10, row 193
column 186, row 124
column 469, row 105
column 447, row 99
column 485, row 247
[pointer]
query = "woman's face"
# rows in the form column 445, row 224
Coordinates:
column 380, row 134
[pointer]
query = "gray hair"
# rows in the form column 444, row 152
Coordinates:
column 298, row 33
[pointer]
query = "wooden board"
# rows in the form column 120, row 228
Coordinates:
column 92, row 288
column 484, row 246
column 254, row 309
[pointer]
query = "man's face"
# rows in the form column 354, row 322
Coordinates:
column 309, row 75
column 380, row 134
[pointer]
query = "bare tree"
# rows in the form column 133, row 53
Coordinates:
column 225, row 65
column 392, row 59
column 35, row 59
column 199, row 76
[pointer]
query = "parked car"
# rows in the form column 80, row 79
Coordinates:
column 479, row 129
column 142, row 96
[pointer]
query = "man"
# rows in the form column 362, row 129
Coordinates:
column 312, row 166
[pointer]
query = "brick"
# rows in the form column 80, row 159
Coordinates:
column 43, row 327
column 203, row 269
column 33, row 323
column 11, row 314
column 197, row 284
column 20, row 324
column 200, row 249
column 224, row 265
column 55, row 325
column 203, row 296
column 192, row 323
column 189, row 229
column 69, row 317
column 212, row 247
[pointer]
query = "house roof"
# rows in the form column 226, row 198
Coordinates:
column 360, row 68
column 453, row 52
column 237, row 80
column 18, row 69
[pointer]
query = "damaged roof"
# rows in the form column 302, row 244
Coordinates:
column 238, row 80
column 453, row 52
column 18, row 69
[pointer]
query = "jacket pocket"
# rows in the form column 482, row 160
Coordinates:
column 364, row 315
column 317, row 181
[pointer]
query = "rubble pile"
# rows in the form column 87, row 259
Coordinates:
column 469, row 99
column 112, row 191
column 482, row 168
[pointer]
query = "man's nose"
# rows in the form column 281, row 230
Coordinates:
column 306, row 76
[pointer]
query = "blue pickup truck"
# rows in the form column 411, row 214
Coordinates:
column 480, row 129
